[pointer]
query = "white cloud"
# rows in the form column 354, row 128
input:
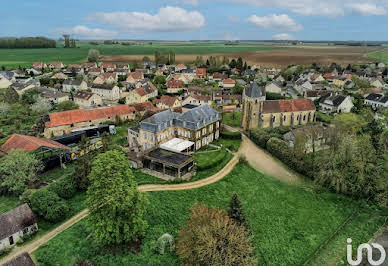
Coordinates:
column 367, row 9
column 273, row 21
column 87, row 33
column 168, row 19
column 283, row 36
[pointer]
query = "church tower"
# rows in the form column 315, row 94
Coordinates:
column 252, row 105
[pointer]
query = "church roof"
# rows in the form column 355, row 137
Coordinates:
column 254, row 91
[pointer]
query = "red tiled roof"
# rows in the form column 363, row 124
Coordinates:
column 175, row 84
column 29, row 143
column 167, row 100
column 136, row 75
column 201, row 72
column 328, row 75
column 107, row 65
column 108, row 75
column 95, row 70
column 38, row 64
column 73, row 66
column 140, row 91
column 56, row 64
column 76, row 116
column 279, row 106
column 143, row 106
column 229, row 81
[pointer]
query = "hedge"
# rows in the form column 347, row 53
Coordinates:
column 49, row 205
column 213, row 159
column 65, row 187
column 230, row 135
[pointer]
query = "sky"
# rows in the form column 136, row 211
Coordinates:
column 360, row 20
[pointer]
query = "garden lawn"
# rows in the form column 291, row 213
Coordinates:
column 56, row 173
column 288, row 223
column 232, row 119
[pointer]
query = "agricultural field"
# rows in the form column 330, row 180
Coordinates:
column 270, row 55
column 288, row 223
column 380, row 55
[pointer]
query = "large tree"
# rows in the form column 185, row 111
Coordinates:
column 17, row 170
column 116, row 205
column 211, row 237
column 93, row 55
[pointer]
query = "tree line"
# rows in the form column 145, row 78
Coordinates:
column 27, row 42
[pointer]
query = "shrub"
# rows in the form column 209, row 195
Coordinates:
column 230, row 135
column 242, row 159
column 211, row 237
column 25, row 197
column 48, row 205
column 64, row 187
column 212, row 159
column 260, row 137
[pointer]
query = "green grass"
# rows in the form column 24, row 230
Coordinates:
column 25, row 57
column 56, row 173
column 227, row 118
column 288, row 223
column 8, row 203
column 380, row 55
column 231, row 144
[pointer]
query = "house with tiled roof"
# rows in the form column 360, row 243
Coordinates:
column 60, row 76
column 39, row 65
column 180, row 67
column 30, row 144
column 108, row 92
column 142, row 108
column 56, row 65
column 74, row 85
column 86, row 99
column 106, row 78
column 4, row 82
column 52, row 95
column 133, row 77
column 228, row 83
column 88, row 65
column 108, row 66
column 95, row 71
column 273, row 87
column 15, row 224
column 141, row 94
column 74, row 68
column 198, row 100
column 64, row 122
column 377, row 100
column 200, row 73
column 166, row 102
column 174, row 86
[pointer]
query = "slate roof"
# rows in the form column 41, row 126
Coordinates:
column 72, row 82
column 377, row 97
column 279, row 106
column 49, row 93
column 335, row 99
column 85, row 95
column 193, row 119
column 16, row 220
column 254, row 91
column 29, row 143
column 103, row 86
column 23, row 259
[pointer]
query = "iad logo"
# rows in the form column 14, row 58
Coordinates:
column 369, row 253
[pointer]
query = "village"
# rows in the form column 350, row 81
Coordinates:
column 176, row 123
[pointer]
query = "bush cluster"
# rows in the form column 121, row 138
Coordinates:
column 49, row 205
column 64, row 187
column 230, row 135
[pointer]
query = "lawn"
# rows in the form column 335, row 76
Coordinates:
column 232, row 119
column 288, row 223
column 25, row 57
column 56, row 173
column 380, row 55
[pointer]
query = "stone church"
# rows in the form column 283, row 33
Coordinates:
column 261, row 113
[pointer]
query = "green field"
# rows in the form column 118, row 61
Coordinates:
column 381, row 55
column 228, row 119
column 288, row 223
column 25, row 57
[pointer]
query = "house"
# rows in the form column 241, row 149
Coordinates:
column 180, row 67
column 335, row 103
column 106, row 78
column 56, row 65
column 61, row 123
column 31, row 144
column 15, row 224
column 232, row 101
column 249, row 73
column 86, row 99
column 133, row 77
column 74, row 85
column 228, row 83
column 120, row 71
column 95, row 71
column 20, row 87
column 315, row 136
column 217, row 96
column 59, row 76
column 4, row 82
column 142, row 108
column 193, row 89
column 10, row 75
column 39, row 66
column 124, row 66
column 141, row 94
column 200, row 73
column 74, row 68
column 52, row 95
column 316, row 78
column 200, row 126
column 89, row 65
column 273, row 87
column 377, row 82
column 149, row 65
column 339, row 81
column 166, row 102
column 377, row 100
column 185, row 78
column 106, row 91
column 301, row 86
column 174, row 86
column 218, row 76
column 23, row 259
column 107, row 67
column 315, row 94
column 279, row 79
column 197, row 100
